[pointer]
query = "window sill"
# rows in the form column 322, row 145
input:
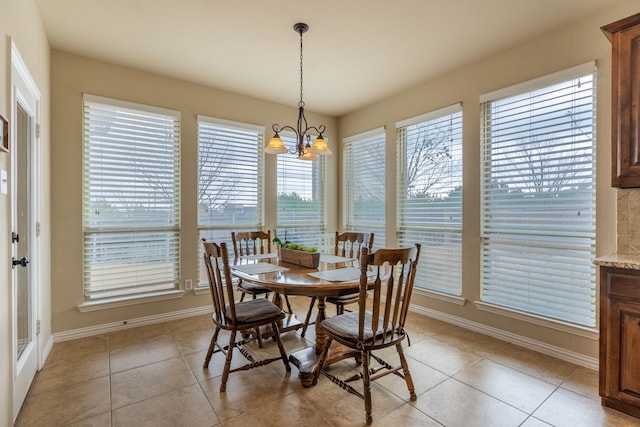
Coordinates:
column 440, row 295
column 125, row 301
column 201, row 290
column 581, row 331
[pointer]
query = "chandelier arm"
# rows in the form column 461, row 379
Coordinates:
column 319, row 130
column 277, row 129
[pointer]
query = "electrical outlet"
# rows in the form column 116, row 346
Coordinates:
column 188, row 284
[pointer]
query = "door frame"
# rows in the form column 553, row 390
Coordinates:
column 23, row 88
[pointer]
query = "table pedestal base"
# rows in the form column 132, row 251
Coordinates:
column 307, row 359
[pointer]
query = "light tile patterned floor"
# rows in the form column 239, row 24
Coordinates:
column 153, row 376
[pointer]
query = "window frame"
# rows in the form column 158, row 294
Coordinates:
column 536, row 238
column 222, row 232
column 440, row 269
column 107, row 149
column 350, row 182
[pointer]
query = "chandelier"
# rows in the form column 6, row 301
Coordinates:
column 303, row 148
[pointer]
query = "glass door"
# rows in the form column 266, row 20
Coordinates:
column 25, row 196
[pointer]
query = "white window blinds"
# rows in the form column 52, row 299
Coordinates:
column 430, row 196
column 538, row 197
column 131, row 199
column 230, row 180
column 300, row 198
column 230, row 183
column 364, row 184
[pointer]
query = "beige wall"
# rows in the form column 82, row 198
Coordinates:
column 71, row 76
column 573, row 46
column 20, row 22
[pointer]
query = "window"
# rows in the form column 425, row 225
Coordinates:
column 364, row 184
column 300, row 198
column 430, row 196
column 538, row 197
column 230, row 185
column 131, row 199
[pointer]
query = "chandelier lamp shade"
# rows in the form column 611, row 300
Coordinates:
column 303, row 148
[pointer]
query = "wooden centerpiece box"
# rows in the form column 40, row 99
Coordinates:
column 302, row 258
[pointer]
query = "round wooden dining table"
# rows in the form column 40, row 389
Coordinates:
column 330, row 279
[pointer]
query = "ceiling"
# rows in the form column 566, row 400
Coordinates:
column 356, row 51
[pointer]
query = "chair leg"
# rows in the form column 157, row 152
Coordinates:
column 259, row 336
column 306, row 320
column 405, row 372
column 366, row 382
column 339, row 309
column 241, row 296
column 212, row 345
column 227, row 362
column 283, row 354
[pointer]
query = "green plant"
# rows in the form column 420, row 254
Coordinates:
column 289, row 245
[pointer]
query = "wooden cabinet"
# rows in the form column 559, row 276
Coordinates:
column 620, row 339
column 625, row 96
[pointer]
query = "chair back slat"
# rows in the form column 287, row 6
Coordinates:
column 409, row 290
column 398, row 298
column 394, row 271
column 350, row 244
column 251, row 242
column 375, row 307
column 220, row 283
column 389, row 315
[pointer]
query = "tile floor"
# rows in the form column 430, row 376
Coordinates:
column 153, row 376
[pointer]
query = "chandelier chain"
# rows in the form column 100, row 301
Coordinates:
column 301, row 103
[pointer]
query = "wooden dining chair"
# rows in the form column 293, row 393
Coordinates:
column 236, row 317
column 251, row 243
column 246, row 243
column 365, row 331
column 348, row 244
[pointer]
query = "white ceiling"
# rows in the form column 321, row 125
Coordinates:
column 355, row 52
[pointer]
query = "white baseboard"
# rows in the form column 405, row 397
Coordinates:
column 131, row 323
column 560, row 353
column 540, row 347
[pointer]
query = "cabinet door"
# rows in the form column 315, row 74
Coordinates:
column 625, row 95
column 623, row 383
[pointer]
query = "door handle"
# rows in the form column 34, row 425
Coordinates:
column 22, row 262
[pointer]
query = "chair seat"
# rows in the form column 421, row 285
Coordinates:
column 346, row 327
column 344, row 299
column 252, row 288
column 256, row 310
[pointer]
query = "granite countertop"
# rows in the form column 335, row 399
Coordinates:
column 619, row 260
